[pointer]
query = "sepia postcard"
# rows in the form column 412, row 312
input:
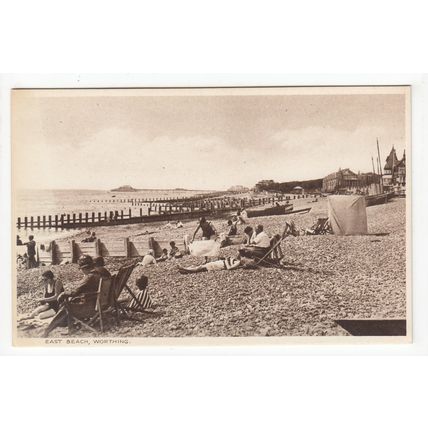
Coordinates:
column 211, row 216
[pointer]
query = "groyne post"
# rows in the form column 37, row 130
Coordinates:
column 73, row 252
column 98, row 247
column 127, row 247
column 54, row 257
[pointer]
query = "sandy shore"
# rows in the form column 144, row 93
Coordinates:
column 329, row 278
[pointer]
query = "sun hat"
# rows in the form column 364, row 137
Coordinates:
column 85, row 261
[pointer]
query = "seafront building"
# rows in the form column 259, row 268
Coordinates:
column 345, row 180
column 394, row 171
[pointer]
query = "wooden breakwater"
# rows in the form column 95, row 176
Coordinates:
column 155, row 212
column 54, row 253
column 166, row 199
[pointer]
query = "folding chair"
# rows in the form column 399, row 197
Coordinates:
column 275, row 254
column 119, row 284
column 77, row 312
column 321, row 227
column 103, row 300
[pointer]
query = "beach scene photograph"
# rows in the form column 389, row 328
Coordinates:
column 211, row 215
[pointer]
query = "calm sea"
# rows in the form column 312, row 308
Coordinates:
column 56, row 202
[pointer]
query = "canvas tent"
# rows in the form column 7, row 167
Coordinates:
column 347, row 214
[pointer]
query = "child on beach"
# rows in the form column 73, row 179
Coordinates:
column 142, row 300
column 174, row 252
column 164, row 256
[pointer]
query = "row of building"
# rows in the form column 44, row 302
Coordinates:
column 393, row 177
column 345, row 180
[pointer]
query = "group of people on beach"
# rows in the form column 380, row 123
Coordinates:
column 257, row 244
column 173, row 253
column 27, row 260
column 54, row 294
column 91, row 236
column 52, row 305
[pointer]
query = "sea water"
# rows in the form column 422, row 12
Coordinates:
column 41, row 203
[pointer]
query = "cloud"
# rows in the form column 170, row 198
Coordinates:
column 316, row 151
column 103, row 142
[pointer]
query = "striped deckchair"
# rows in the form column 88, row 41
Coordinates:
column 119, row 284
column 275, row 254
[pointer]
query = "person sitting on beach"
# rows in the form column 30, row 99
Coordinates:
column 22, row 261
column 174, row 252
column 249, row 232
column 31, row 252
column 208, row 230
column 48, row 306
column 18, row 240
column 163, row 257
column 168, row 226
column 240, row 215
column 259, row 244
column 179, row 224
column 142, row 299
column 148, row 259
column 233, row 230
column 99, row 267
column 91, row 238
column 85, row 293
column 228, row 263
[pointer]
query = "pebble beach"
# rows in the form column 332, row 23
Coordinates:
column 326, row 278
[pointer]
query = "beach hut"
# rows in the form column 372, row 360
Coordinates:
column 347, row 214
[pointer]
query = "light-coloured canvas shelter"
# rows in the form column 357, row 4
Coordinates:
column 298, row 190
column 347, row 214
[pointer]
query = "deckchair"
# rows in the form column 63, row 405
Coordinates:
column 275, row 254
column 87, row 311
column 119, row 284
column 321, row 227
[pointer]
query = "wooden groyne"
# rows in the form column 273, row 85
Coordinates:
column 173, row 200
column 54, row 253
column 155, row 212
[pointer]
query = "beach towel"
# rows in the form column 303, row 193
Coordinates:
column 347, row 214
column 208, row 248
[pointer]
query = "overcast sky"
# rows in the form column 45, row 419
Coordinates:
column 198, row 142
